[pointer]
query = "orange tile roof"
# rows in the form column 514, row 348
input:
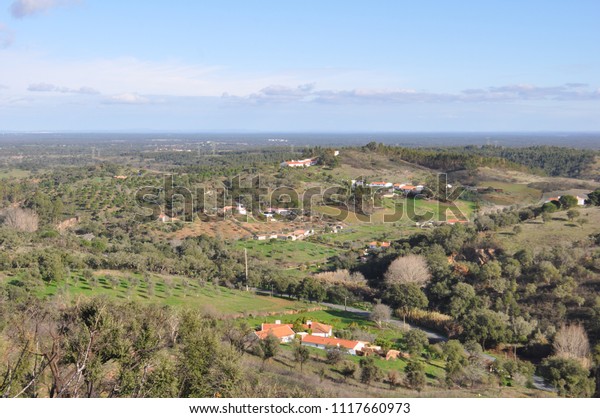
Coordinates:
column 407, row 187
column 318, row 327
column 315, row 326
column 334, row 342
column 265, row 327
column 280, row 331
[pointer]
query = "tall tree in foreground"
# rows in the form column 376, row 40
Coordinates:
column 368, row 370
column 415, row 375
column 301, row 353
column 206, row 368
column 268, row 348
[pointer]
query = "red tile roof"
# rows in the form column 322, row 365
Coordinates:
column 334, row 342
column 314, row 326
column 318, row 327
column 280, row 331
column 266, row 327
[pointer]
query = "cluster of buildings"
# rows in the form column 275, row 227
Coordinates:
column 239, row 208
column 313, row 334
column 298, row 234
column 307, row 162
column 397, row 187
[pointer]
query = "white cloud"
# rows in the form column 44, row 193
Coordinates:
column 114, row 76
column 47, row 87
column 523, row 92
column 25, row 8
column 127, row 98
column 7, row 36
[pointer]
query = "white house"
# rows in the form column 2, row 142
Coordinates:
column 283, row 332
column 307, row 162
column 377, row 184
column 324, row 342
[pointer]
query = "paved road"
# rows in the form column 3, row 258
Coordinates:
column 433, row 336
column 538, row 381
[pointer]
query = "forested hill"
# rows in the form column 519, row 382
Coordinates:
column 549, row 160
column 554, row 161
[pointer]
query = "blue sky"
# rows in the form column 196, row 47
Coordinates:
column 300, row 66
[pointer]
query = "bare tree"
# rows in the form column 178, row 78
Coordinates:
column 21, row 219
column 408, row 269
column 380, row 314
column 571, row 341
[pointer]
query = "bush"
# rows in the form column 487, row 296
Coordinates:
column 334, row 355
column 568, row 376
column 433, row 320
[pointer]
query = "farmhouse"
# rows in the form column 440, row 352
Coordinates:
column 283, row 332
column 165, row 218
column 307, row 162
column 314, row 328
column 376, row 244
column 407, row 188
column 278, row 211
column 353, row 347
column 383, row 184
column 457, row 221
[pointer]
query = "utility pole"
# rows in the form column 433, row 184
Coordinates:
column 246, row 262
column 345, row 299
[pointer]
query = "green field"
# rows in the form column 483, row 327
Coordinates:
column 13, row 173
column 171, row 291
column 361, row 230
column 293, row 252
column 512, row 193
column 402, row 210
column 536, row 234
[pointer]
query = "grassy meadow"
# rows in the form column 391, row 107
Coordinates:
column 168, row 290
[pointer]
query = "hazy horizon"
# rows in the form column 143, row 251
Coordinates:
column 585, row 140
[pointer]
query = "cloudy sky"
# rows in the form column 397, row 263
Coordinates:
column 191, row 65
